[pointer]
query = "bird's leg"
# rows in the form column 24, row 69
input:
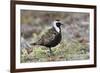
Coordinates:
column 51, row 52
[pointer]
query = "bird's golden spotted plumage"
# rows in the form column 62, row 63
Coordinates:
column 52, row 37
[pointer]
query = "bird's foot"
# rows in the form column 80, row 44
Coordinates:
column 50, row 54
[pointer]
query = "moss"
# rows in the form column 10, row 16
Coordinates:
column 65, row 51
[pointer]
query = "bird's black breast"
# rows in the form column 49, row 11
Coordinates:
column 54, row 42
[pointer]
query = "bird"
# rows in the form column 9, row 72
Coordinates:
column 52, row 37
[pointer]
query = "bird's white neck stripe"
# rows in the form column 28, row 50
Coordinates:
column 57, row 28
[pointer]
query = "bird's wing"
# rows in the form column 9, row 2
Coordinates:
column 47, row 37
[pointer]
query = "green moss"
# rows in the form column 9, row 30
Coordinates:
column 65, row 51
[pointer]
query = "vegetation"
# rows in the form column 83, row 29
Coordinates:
column 65, row 51
column 75, row 36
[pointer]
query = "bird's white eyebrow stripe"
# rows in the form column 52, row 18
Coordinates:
column 56, row 28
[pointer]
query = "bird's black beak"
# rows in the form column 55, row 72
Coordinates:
column 61, row 24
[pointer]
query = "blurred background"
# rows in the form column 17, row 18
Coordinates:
column 75, row 35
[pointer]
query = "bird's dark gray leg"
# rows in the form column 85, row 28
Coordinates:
column 51, row 52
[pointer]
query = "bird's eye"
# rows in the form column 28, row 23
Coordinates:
column 58, row 24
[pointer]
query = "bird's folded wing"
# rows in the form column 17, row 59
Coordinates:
column 47, row 37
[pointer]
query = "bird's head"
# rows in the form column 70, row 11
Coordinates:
column 57, row 24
